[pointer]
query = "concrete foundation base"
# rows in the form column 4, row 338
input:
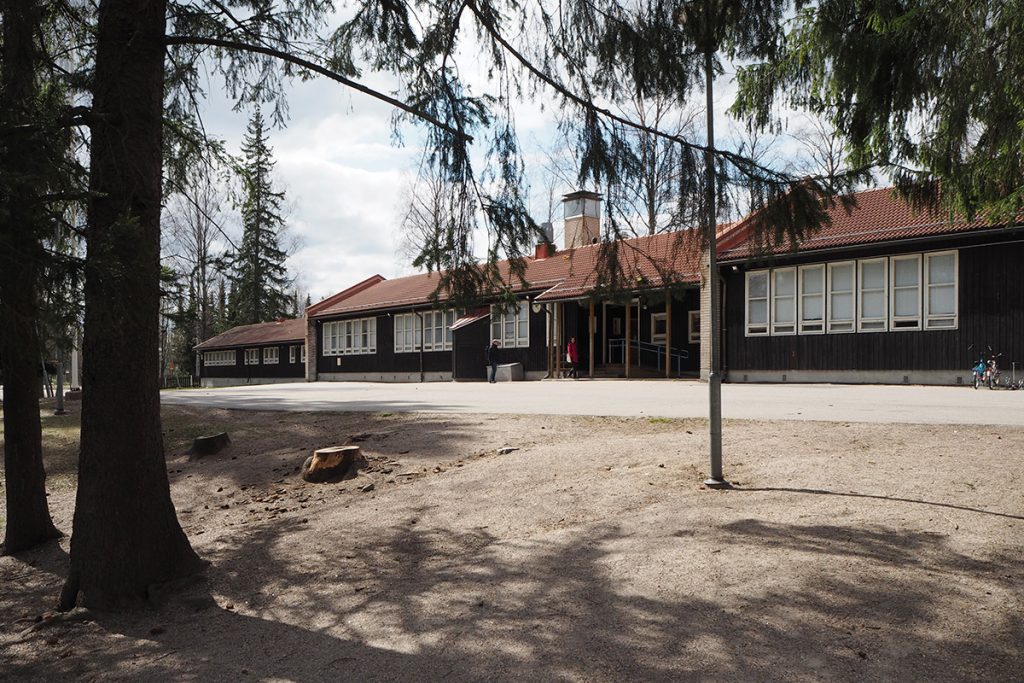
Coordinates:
column 384, row 377
column 214, row 382
column 935, row 377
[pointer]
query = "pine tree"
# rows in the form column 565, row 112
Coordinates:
column 259, row 287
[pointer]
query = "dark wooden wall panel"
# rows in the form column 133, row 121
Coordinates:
column 991, row 313
column 283, row 369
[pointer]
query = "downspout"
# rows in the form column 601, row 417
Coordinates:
column 423, row 338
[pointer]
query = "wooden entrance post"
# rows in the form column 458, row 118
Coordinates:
column 668, row 333
column 629, row 322
column 559, row 312
column 549, row 317
column 590, row 327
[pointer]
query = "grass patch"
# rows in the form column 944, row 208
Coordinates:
column 61, row 435
column 662, row 420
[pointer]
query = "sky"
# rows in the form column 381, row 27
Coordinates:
column 344, row 177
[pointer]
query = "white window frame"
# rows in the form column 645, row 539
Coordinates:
column 788, row 328
column 931, row 321
column 302, row 351
column 291, row 355
column 873, row 324
column 439, row 323
column 407, row 332
column 835, row 325
column 904, row 323
column 812, row 325
column 761, row 330
column 354, row 337
column 271, row 355
column 655, row 337
column 219, row 358
column 693, row 326
column 252, row 356
column 517, row 319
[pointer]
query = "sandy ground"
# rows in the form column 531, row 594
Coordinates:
column 847, row 552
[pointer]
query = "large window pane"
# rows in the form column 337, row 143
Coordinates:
column 905, row 302
column 873, row 295
column 941, row 300
column 906, row 292
column 784, row 301
column 941, row 268
column 757, row 303
column 841, row 309
column 758, row 312
column 941, row 296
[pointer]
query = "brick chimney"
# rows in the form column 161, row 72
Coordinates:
column 545, row 247
column 582, row 218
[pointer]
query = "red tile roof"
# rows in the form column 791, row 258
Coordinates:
column 293, row 329
column 879, row 216
column 344, row 294
column 646, row 261
column 566, row 274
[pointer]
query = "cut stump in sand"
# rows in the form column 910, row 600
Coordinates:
column 333, row 464
column 209, row 445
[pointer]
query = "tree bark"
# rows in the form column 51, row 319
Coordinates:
column 126, row 533
column 28, row 515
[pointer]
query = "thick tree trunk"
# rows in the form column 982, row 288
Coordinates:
column 28, row 515
column 126, row 534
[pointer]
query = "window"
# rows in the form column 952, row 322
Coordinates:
column 905, row 294
column 348, row 337
column 512, row 327
column 940, row 290
column 784, row 301
column 757, row 303
column 291, row 354
column 407, row 333
column 271, row 355
column 694, row 327
column 252, row 356
column 841, row 284
column 302, row 350
column 871, row 300
column 437, row 332
column 659, row 327
column 211, row 358
column 812, row 299
column 897, row 293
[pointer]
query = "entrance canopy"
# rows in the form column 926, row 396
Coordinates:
column 471, row 317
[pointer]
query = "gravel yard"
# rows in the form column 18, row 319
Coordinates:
column 846, row 552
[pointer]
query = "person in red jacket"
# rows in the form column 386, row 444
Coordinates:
column 572, row 357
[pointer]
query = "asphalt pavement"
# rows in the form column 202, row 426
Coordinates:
column 631, row 398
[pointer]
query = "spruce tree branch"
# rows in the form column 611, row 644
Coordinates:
column 73, row 117
column 316, row 68
column 745, row 165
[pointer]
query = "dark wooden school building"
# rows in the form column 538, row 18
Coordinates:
column 388, row 330
column 881, row 294
column 264, row 353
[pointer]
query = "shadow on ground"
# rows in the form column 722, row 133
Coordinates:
column 432, row 604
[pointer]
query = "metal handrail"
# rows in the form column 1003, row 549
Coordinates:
column 677, row 355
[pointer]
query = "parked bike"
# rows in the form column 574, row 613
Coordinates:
column 986, row 371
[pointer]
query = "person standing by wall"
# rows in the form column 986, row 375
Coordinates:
column 492, row 360
column 573, row 358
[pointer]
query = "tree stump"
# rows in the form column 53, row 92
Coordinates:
column 333, row 464
column 209, row 445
